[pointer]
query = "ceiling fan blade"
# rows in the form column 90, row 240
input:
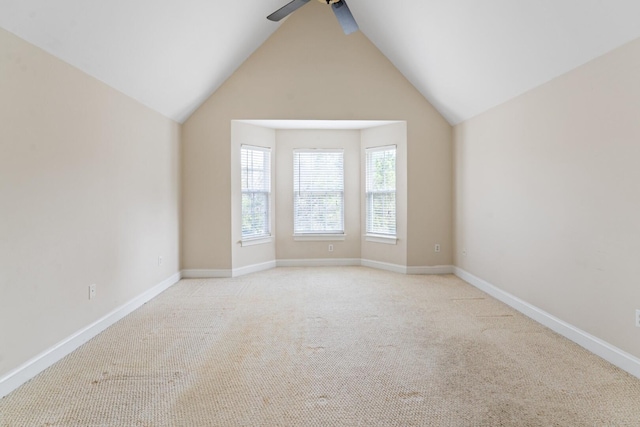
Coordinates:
column 287, row 9
column 346, row 19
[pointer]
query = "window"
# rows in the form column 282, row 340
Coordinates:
column 381, row 191
column 256, row 191
column 318, row 187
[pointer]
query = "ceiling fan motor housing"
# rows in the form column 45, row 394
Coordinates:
column 339, row 7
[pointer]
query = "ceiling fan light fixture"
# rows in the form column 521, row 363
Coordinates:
column 340, row 9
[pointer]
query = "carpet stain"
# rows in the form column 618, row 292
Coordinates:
column 412, row 397
column 318, row 401
column 315, row 350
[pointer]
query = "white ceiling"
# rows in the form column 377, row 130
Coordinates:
column 464, row 56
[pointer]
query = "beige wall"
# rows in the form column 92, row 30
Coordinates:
column 547, row 197
column 244, row 133
column 283, row 143
column 288, row 140
column 309, row 70
column 88, row 194
column 393, row 134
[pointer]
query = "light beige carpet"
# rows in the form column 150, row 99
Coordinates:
column 327, row 347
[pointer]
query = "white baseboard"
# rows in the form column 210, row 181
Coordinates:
column 253, row 268
column 437, row 269
column 396, row 268
column 318, row 262
column 608, row 352
column 33, row 367
column 206, row 274
column 315, row 262
column 321, row 262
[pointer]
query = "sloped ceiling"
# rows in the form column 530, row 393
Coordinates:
column 464, row 56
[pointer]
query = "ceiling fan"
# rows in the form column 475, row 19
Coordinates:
column 339, row 7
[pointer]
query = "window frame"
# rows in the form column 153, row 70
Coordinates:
column 318, row 235
column 371, row 235
column 267, row 235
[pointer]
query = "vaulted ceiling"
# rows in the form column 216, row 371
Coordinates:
column 464, row 56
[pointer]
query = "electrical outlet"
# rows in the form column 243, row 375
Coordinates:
column 92, row 291
column 638, row 318
column 159, row 261
column 437, row 247
column 330, row 248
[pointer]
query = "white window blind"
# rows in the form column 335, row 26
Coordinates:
column 381, row 190
column 256, row 191
column 318, row 186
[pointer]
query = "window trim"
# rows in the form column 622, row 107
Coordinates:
column 256, row 241
column 372, row 236
column 333, row 235
column 381, row 238
column 267, row 237
column 319, row 237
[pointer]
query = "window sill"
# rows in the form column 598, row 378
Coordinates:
column 319, row 237
column 377, row 238
column 256, row 241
